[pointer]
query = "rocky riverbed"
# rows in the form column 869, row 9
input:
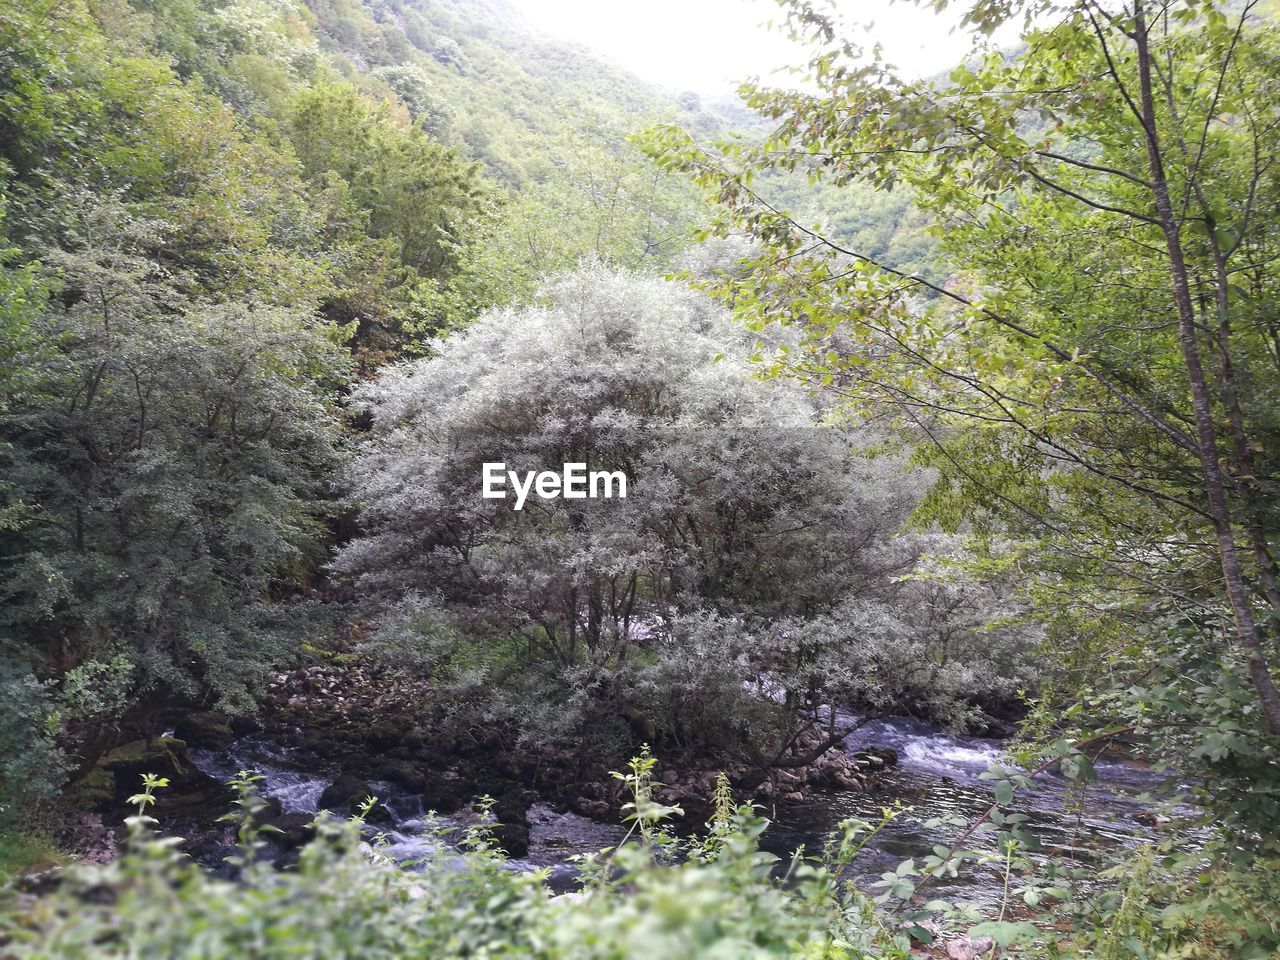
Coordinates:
column 333, row 736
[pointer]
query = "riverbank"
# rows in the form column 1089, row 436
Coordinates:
column 333, row 733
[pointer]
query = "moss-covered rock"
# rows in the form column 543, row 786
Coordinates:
column 163, row 756
column 345, row 795
column 95, row 791
column 206, row 729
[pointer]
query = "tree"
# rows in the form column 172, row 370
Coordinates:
column 414, row 190
column 1100, row 377
column 172, row 472
column 745, row 527
column 597, row 201
column 412, row 86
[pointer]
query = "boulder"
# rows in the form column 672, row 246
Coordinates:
column 242, row 725
column 443, row 795
column 512, row 838
column 163, row 756
column 207, row 729
column 344, row 795
column 965, row 949
column 878, row 757
column 95, row 791
column 592, row 809
column 291, row 830
column 405, row 774
column 512, row 830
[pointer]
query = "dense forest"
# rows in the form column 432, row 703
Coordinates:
column 458, row 499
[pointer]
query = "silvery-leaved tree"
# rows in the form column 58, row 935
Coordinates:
column 705, row 607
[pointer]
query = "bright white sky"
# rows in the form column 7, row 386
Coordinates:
column 709, row 45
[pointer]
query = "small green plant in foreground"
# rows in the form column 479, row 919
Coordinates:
column 658, row 896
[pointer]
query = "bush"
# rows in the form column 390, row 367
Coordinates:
column 32, row 769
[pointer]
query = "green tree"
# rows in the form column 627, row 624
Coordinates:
column 604, row 202
column 172, row 473
column 1099, row 379
column 414, row 190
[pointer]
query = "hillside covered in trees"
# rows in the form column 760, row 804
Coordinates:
column 458, row 499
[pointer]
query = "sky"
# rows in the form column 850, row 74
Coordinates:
column 709, row 45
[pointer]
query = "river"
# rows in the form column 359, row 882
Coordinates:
column 938, row 773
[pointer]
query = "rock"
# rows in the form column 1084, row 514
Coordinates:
column 592, row 809
column 442, row 794
column 878, row 757
column 850, row 781
column 190, row 802
column 965, row 949
column 95, row 791
column 505, row 765
column 512, row 838
column 381, row 738
column 243, row 725
column 271, row 808
column 41, row 882
column 345, row 795
column 512, row 829
column 887, row 755
column 85, row 835
column 164, row 756
column 203, row 803
column 294, row 830
column 208, row 729
column 408, row 775
column 320, row 744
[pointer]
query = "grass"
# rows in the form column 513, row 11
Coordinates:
column 24, row 852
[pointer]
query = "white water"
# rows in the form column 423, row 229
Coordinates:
column 298, row 791
column 938, row 774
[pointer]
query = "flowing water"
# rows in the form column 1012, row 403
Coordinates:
column 938, row 774
column 414, row 836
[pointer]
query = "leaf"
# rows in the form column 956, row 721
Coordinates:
column 1003, row 933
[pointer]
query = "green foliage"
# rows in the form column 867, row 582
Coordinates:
column 514, row 96
column 176, row 472
column 1095, row 385
column 166, row 421
column 204, row 203
column 32, row 768
column 598, row 199
column 346, row 899
column 22, row 852
column 410, row 188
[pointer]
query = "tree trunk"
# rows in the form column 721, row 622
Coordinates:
column 1210, row 469
column 1247, row 480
